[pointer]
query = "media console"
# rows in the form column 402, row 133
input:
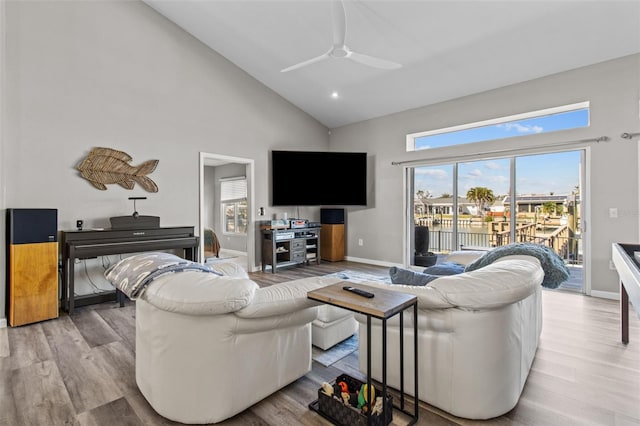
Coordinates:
column 287, row 247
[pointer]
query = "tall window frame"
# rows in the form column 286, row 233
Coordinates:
column 547, row 143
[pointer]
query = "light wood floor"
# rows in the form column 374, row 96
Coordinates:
column 80, row 370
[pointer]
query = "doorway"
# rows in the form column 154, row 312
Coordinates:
column 233, row 245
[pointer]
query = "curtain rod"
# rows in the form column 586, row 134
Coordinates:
column 500, row 151
column 629, row 135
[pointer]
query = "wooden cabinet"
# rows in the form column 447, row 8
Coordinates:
column 32, row 265
column 286, row 247
column 332, row 246
column 33, row 283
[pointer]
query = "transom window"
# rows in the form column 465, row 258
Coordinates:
column 542, row 121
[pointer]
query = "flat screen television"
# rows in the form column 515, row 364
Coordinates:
column 311, row 178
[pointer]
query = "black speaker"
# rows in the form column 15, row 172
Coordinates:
column 26, row 226
column 422, row 239
column 423, row 257
column 332, row 216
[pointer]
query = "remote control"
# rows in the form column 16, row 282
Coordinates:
column 358, row 291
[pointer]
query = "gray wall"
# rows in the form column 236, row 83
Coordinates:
column 3, row 179
column 118, row 74
column 613, row 88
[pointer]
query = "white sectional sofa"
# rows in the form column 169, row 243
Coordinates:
column 478, row 335
column 210, row 346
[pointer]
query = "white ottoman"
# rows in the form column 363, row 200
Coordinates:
column 332, row 326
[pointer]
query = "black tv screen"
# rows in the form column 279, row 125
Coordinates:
column 310, row 178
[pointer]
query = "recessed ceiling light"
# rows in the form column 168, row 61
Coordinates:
column 335, row 95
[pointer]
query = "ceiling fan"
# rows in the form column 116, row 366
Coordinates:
column 339, row 50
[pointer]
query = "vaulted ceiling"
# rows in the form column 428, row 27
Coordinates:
column 447, row 48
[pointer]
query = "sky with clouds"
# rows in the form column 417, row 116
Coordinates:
column 535, row 174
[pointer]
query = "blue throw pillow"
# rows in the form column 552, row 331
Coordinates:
column 407, row 277
column 445, row 268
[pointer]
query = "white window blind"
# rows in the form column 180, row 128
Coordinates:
column 233, row 188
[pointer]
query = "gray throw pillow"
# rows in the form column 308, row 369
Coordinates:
column 445, row 268
column 407, row 277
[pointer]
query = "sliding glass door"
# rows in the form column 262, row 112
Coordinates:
column 548, row 204
column 482, row 189
column 489, row 203
column 433, row 208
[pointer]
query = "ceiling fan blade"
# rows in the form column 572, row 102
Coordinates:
column 373, row 61
column 339, row 23
column 307, row 62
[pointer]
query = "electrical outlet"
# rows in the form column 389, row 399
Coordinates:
column 360, row 242
column 613, row 212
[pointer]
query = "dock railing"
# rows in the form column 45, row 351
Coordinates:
column 560, row 240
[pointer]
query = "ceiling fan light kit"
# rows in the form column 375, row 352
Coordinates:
column 339, row 49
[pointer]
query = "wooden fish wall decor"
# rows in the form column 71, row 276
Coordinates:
column 105, row 166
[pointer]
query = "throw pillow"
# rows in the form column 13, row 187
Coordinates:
column 407, row 277
column 444, row 268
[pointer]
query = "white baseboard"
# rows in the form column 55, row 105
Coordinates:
column 606, row 294
column 235, row 252
column 3, row 323
column 371, row 261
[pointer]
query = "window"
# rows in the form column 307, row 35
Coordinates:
column 233, row 199
column 529, row 198
column 543, row 121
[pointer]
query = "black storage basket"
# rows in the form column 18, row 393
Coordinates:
column 346, row 415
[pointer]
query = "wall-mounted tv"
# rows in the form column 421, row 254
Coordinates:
column 311, row 178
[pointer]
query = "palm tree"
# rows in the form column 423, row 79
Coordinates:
column 549, row 207
column 422, row 194
column 481, row 196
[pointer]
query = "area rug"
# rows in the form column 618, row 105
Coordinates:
column 336, row 352
column 360, row 277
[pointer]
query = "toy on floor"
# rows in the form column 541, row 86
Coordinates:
column 377, row 408
column 327, row 389
column 363, row 396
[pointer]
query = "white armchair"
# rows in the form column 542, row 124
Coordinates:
column 208, row 346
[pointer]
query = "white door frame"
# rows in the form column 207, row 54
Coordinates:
column 208, row 159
